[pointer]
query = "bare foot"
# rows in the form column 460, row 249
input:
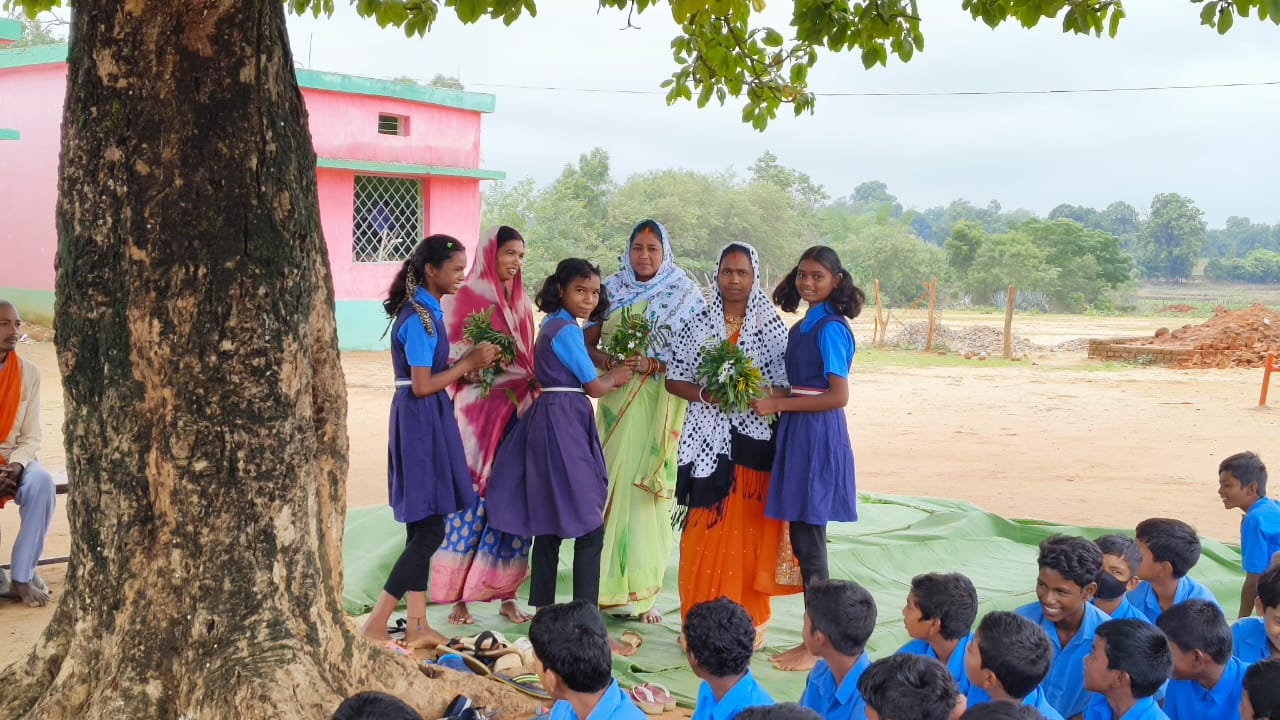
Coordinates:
column 29, row 594
column 460, row 615
column 418, row 634
column 620, row 649
column 375, row 632
column 797, row 658
column 512, row 612
column 651, row 617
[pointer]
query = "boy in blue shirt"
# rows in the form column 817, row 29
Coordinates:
column 906, row 686
column 1261, row 697
column 1170, row 548
column 1069, row 568
column 572, row 658
column 1242, row 484
column 1129, row 662
column 719, row 639
column 1206, row 678
column 1121, row 560
column 839, row 617
column 939, row 614
column 1006, row 660
column 1258, row 638
column 1001, row 710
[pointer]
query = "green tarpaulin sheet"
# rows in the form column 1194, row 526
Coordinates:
column 896, row 539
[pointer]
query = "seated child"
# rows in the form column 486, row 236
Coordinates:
column 1001, row 710
column 719, row 639
column 780, row 711
column 839, row 617
column 372, row 705
column 1261, row 697
column 1170, row 548
column 1129, row 662
column 571, row 657
column 939, row 614
column 1007, row 659
column 1068, row 577
column 1242, row 484
column 1206, row 678
column 1258, row 638
column 910, row 687
column 1121, row 559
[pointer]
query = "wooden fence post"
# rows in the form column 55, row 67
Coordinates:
column 933, row 295
column 878, row 335
column 1008, row 322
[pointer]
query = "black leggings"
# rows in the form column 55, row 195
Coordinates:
column 809, row 543
column 545, row 563
column 412, row 571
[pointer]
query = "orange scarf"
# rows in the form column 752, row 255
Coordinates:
column 10, row 394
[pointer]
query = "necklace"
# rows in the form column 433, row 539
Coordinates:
column 732, row 324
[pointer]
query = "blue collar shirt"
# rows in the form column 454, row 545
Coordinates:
column 1144, row 597
column 613, row 705
column 1189, row 700
column 744, row 694
column 836, row 703
column 955, row 663
column 1064, row 685
column 1145, row 709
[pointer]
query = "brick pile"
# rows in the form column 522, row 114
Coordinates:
column 1240, row 338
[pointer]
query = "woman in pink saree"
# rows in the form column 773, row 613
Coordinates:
column 476, row 563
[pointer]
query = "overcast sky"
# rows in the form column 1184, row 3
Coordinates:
column 1217, row 146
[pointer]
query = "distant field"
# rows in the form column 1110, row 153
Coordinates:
column 1148, row 298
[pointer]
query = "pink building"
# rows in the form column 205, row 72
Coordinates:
column 396, row 161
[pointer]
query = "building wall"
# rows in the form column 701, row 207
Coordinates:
column 346, row 126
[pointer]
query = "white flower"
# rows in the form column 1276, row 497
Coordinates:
column 725, row 372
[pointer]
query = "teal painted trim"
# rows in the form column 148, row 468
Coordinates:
column 33, row 55
column 33, row 305
column 391, row 168
column 10, row 29
column 337, row 82
column 7, row 134
column 360, row 325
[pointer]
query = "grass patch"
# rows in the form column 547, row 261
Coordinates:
column 889, row 357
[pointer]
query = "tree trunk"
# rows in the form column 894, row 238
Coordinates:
column 205, row 403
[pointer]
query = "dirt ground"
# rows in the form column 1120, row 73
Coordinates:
column 1055, row 438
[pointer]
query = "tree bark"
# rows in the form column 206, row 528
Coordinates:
column 205, row 404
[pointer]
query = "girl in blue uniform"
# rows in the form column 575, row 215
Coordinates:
column 813, row 468
column 427, row 475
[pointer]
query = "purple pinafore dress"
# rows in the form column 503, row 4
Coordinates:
column 426, row 466
column 548, row 475
column 812, row 479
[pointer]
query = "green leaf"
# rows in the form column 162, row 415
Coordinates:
column 1225, row 20
column 1117, row 14
column 1209, row 13
column 772, row 38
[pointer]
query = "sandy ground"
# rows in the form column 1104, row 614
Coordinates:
column 1055, row 438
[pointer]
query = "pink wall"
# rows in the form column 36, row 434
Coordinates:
column 346, row 126
column 32, row 105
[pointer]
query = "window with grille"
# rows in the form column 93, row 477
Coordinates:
column 388, row 218
column 393, row 124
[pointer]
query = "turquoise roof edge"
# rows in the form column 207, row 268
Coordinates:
column 394, row 168
column 314, row 79
column 10, row 29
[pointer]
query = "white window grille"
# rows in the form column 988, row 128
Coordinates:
column 392, row 124
column 387, row 222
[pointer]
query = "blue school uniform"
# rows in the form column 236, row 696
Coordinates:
column 1260, row 535
column 955, row 663
column 1126, row 611
column 812, row 480
column 836, row 703
column 1064, row 685
column 744, row 694
column 1144, row 597
column 1036, row 699
column 1249, row 640
column 1189, row 700
column 1145, row 709
column 613, row 705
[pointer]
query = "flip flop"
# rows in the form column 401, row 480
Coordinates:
column 661, row 695
column 527, row 683
column 460, row 644
column 453, row 661
column 475, row 664
column 509, row 664
column 491, row 644
column 644, row 699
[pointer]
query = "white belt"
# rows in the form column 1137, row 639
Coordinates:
column 806, row 391
column 403, row 383
column 562, row 389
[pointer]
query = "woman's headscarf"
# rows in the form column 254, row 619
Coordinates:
column 705, row 459
column 673, row 296
column 483, row 420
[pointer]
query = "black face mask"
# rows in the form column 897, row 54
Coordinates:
column 1109, row 587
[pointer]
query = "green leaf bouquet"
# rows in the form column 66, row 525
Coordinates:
column 634, row 334
column 729, row 376
column 479, row 329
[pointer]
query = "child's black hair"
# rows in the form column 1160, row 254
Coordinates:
column 548, row 299
column 1248, row 468
column 1198, row 625
column 909, row 687
column 951, row 598
column 846, row 298
column 571, row 640
column 1269, row 587
column 719, row 634
column 506, row 234
column 1140, row 649
column 433, row 250
column 1122, row 546
column 1171, row 541
column 1072, row 557
column 780, row 711
column 1016, row 650
column 1262, row 683
column 842, row 610
column 1001, row 710
column 372, row 705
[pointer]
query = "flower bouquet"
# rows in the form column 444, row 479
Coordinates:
column 730, row 378
column 634, row 334
column 479, row 329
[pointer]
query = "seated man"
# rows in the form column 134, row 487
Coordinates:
column 571, row 657
column 21, row 477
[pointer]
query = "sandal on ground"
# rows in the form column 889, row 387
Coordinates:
column 527, row 683
column 397, row 648
column 475, row 664
column 452, row 661
column 632, row 639
column 644, row 699
column 492, row 645
column 660, row 694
